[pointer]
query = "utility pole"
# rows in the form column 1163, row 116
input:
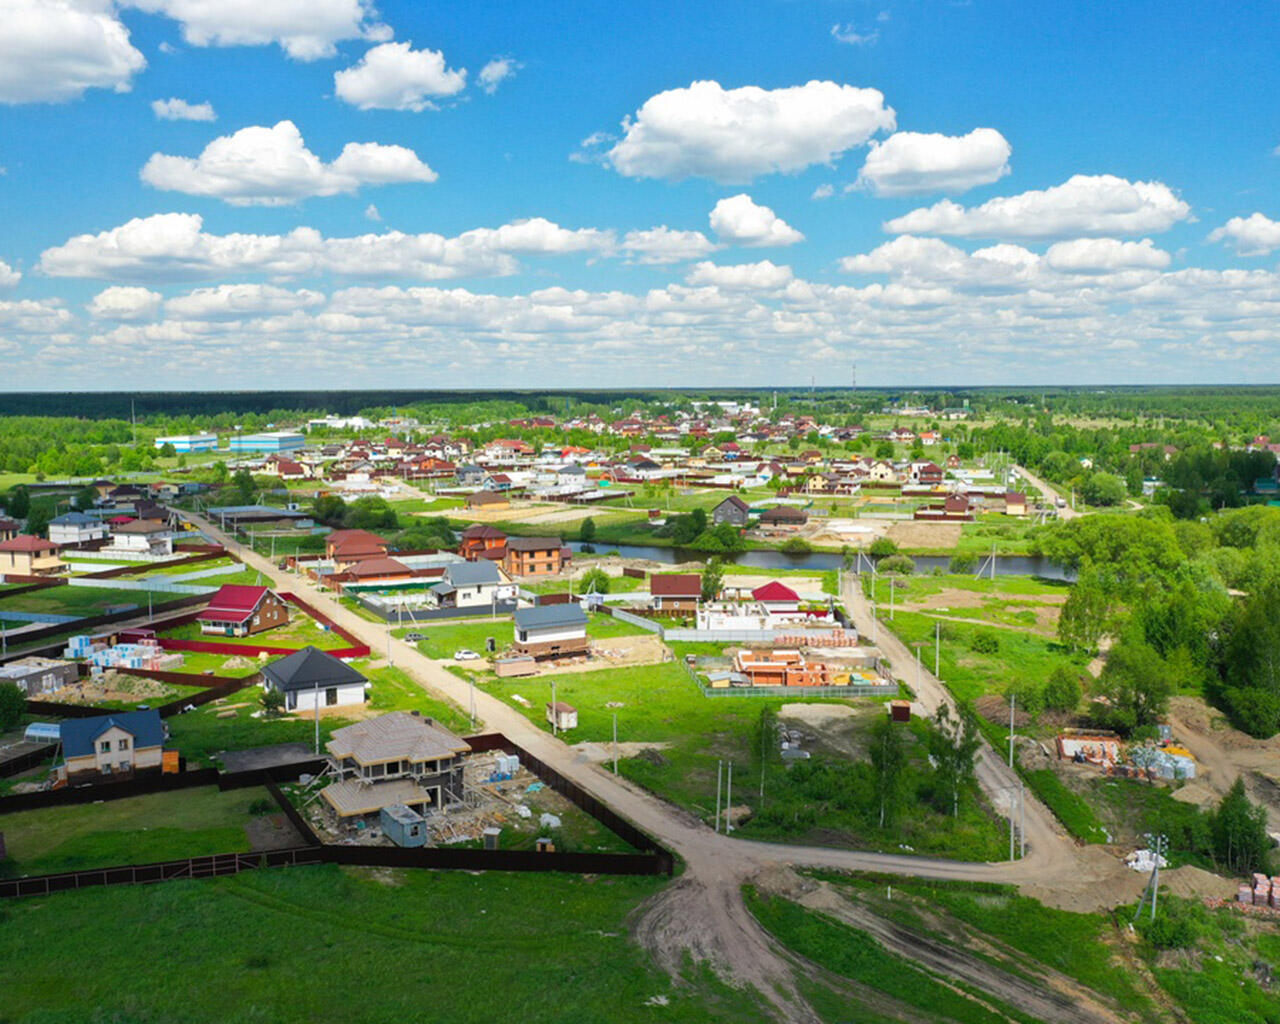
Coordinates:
column 937, row 649
column 473, row 700
column 892, row 590
column 315, row 711
column 728, row 803
column 615, row 743
column 555, row 718
column 390, row 660
column 1013, row 703
column 719, row 772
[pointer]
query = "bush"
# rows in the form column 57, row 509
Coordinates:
column 12, row 705
column 963, row 563
column 883, row 546
column 1062, row 690
column 262, row 805
column 897, row 563
column 985, row 642
column 1178, row 924
column 795, row 546
column 596, row 579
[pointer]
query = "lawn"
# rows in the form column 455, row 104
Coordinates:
column 969, row 674
column 542, row 947
column 201, row 735
column 394, row 690
column 134, row 830
column 442, row 641
column 80, row 601
column 300, row 631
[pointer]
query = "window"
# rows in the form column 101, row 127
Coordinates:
column 124, row 766
column 331, row 696
column 104, row 747
column 122, row 745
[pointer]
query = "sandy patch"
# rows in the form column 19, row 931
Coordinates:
column 598, row 753
column 915, row 534
column 817, row 714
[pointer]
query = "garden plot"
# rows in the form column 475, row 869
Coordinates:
column 119, row 689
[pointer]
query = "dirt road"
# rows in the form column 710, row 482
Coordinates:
column 1051, row 496
column 703, row 914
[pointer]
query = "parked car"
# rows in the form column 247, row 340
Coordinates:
column 465, row 654
column 414, row 638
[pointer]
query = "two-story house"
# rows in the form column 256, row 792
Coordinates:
column 120, row 743
column 480, row 585
column 72, row 529
column 534, row 556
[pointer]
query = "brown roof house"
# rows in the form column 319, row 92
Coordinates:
column 25, row 555
column 732, row 510
column 397, row 758
column 346, row 547
column 675, row 591
column 534, row 556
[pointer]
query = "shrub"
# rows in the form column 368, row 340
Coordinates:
column 897, row 563
column 13, row 703
column 1177, row 925
column 963, row 563
column 985, row 642
column 261, row 806
column 1062, row 690
column 882, row 546
column 795, row 546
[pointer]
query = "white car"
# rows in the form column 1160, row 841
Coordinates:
column 465, row 654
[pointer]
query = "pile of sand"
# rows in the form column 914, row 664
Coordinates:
column 816, row 714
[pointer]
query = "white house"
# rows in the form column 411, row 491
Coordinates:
column 74, row 528
column 143, row 537
column 551, row 631
column 480, row 585
column 311, row 679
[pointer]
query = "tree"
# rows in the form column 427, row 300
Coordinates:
column 272, row 702
column 882, row 546
column 1062, row 690
column 901, row 564
column 329, row 508
column 243, row 486
column 1239, row 829
column 1135, row 681
column 884, row 450
column 712, row 578
column 953, row 745
column 13, row 704
column 595, row 579
column 1084, row 614
column 167, row 450
column 795, row 546
column 85, row 497
column 18, row 503
column 38, row 518
column 888, row 758
column 1104, row 489
column 587, row 531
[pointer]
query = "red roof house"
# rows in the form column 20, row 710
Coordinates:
column 242, row 610
column 675, row 590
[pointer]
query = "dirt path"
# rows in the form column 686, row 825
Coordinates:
column 1052, row 998
column 1051, row 496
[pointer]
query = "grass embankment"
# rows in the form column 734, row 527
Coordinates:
column 134, row 830
column 543, row 947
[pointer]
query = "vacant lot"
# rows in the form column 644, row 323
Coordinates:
column 135, row 830
column 442, row 641
column 81, row 601
column 300, row 631
column 545, row 947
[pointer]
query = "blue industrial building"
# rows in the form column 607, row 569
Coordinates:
column 271, row 441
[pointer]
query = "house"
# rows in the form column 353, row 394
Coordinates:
column 777, row 598
column 120, row 743
column 481, row 541
column 675, row 591
column 480, row 585
column 35, row 675
column 929, row 438
column 489, row 501
column 25, row 555
column 927, row 473
column 142, row 537
column 784, row 517
column 310, row 679
column 781, row 668
column 953, row 461
column 551, row 631
column 240, row 610
column 400, row 758
column 534, row 556
column 470, row 475
column 345, row 547
column 8, row 528
column 1015, row 503
column 72, row 529
column 733, row 510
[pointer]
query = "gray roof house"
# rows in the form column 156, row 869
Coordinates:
column 311, row 679
column 551, row 631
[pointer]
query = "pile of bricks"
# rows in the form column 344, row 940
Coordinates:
column 1260, row 892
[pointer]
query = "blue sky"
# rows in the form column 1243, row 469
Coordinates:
column 594, row 194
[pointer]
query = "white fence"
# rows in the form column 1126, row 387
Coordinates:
column 642, row 622
column 153, row 585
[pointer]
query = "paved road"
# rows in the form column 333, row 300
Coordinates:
column 705, row 909
column 1050, row 494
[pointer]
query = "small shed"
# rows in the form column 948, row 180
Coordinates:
column 900, row 710
column 562, row 715
column 403, row 826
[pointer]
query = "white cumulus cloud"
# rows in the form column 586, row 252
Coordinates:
column 260, row 166
column 762, row 276
column 53, row 50
column 235, row 301
column 395, row 76
column 739, row 220
column 1084, row 205
column 666, row 245
column 180, row 110
column 1104, row 255
column 304, row 29
column 125, row 303
column 736, row 135
column 175, row 247
column 1255, row 235
column 8, row 276
column 910, row 163
column 496, row 72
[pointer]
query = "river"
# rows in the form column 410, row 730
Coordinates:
column 1006, row 565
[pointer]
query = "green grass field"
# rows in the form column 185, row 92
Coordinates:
column 441, row 641
column 201, row 735
column 279, row 946
column 393, row 690
column 134, row 830
column 82, row 601
column 300, row 631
